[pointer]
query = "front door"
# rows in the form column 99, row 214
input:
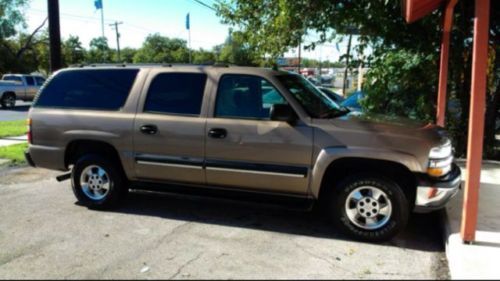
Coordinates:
column 245, row 149
column 169, row 130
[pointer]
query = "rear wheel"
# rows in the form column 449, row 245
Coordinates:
column 8, row 100
column 369, row 207
column 97, row 182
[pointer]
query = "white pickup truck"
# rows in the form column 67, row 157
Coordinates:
column 19, row 87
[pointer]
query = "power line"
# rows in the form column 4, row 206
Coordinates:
column 205, row 5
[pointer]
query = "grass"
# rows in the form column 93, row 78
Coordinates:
column 14, row 152
column 12, row 128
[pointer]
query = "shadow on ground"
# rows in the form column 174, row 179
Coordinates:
column 424, row 231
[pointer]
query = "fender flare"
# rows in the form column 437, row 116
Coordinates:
column 331, row 154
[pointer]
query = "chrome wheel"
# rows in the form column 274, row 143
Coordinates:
column 368, row 207
column 95, row 182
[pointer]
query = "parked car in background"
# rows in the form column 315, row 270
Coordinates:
column 331, row 94
column 19, row 87
column 352, row 102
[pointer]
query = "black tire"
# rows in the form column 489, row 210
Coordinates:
column 8, row 100
column 396, row 221
column 117, row 188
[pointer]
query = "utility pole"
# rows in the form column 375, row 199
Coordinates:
column 54, row 35
column 347, row 64
column 115, row 26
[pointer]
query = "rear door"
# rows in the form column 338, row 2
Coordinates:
column 169, row 129
column 30, row 89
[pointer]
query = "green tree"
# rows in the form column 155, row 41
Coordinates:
column 203, row 57
column 99, row 51
column 161, row 49
column 126, row 55
column 11, row 17
column 397, row 82
column 73, row 51
column 237, row 51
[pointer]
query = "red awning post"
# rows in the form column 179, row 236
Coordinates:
column 476, row 120
column 443, row 65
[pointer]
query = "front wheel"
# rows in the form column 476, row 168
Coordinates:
column 369, row 207
column 97, row 182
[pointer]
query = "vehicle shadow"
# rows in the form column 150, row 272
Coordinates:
column 17, row 108
column 21, row 108
column 422, row 233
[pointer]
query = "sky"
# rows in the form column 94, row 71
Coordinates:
column 143, row 17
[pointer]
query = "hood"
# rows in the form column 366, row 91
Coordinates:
column 379, row 123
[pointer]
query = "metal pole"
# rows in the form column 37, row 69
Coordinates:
column 115, row 25
column 189, row 34
column 476, row 121
column 443, row 65
column 54, row 35
column 347, row 64
column 299, row 62
column 102, row 21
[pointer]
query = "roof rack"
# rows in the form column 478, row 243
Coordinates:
column 216, row 64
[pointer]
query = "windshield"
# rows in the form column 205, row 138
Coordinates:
column 314, row 102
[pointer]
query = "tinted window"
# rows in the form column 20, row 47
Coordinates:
column 176, row 93
column 39, row 80
column 243, row 96
column 101, row 89
column 29, row 81
column 12, row 78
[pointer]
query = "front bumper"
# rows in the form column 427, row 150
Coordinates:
column 434, row 193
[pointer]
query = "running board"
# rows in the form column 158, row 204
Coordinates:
column 287, row 201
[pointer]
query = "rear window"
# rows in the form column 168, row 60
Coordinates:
column 12, row 78
column 101, row 89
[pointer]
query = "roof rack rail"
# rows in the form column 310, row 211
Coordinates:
column 214, row 64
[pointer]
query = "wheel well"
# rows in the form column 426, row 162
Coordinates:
column 8, row 93
column 78, row 148
column 341, row 168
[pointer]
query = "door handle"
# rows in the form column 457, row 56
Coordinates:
column 149, row 129
column 217, row 133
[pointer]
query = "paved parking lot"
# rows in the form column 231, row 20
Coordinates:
column 44, row 234
column 20, row 112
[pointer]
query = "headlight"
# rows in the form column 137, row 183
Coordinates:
column 440, row 160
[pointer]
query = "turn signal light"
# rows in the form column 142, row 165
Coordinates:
column 436, row 172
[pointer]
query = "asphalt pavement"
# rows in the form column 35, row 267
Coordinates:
column 19, row 112
column 45, row 234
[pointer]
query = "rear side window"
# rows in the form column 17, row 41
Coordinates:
column 176, row 93
column 30, row 81
column 99, row 89
column 12, row 78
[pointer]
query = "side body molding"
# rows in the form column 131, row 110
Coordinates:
column 331, row 154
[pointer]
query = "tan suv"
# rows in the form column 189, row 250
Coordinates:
column 243, row 131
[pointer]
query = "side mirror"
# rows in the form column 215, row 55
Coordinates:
column 283, row 112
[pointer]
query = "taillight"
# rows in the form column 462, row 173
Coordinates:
column 30, row 137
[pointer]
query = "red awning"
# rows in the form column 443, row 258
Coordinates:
column 416, row 9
